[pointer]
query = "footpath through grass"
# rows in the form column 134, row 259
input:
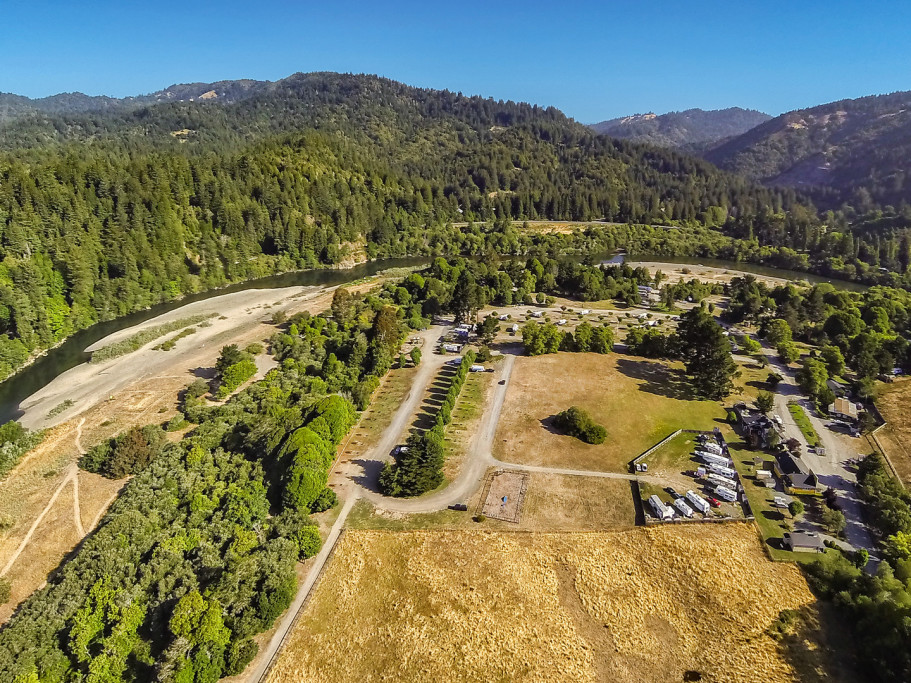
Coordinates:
column 803, row 422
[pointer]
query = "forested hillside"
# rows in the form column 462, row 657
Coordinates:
column 105, row 213
column 854, row 151
column 690, row 130
column 16, row 106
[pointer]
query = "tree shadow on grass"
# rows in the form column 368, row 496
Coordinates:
column 656, row 378
column 773, row 515
column 427, row 413
column 548, row 424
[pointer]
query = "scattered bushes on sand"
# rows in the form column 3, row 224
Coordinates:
column 140, row 339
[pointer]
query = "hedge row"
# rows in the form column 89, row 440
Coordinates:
column 444, row 416
column 419, row 467
column 309, row 452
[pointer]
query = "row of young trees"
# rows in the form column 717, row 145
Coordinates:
column 418, row 467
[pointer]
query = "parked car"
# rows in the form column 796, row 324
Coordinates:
column 714, row 503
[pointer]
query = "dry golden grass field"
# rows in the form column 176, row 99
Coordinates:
column 638, row 605
column 638, row 401
column 894, row 402
column 553, row 502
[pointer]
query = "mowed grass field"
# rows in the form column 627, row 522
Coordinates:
column 639, row 401
column 653, row 604
column 894, row 402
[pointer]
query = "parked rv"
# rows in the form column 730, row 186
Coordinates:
column 683, row 508
column 725, row 493
column 698, row 502
column 661, row 510
column 723, row 471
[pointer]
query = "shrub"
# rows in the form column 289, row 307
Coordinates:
column 240, row 653
column 576, row 422
column 325, row 500
column 125, row 454
column 5, row 590
column 176, row 423
column 309, row 541
column 235, row 375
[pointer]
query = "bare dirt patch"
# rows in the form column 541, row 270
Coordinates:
column 504, row 491
column 638, row 401
column 640, row 605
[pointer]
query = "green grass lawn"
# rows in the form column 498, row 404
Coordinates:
column 803, row 422
column 675, row 455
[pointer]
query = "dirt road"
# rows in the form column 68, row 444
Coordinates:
column 260, row 667
column 363, row 471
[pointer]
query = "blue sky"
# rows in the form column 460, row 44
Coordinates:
column 593, row 60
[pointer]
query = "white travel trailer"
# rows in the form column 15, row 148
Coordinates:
column 698, row 502
column 661, row 510
column 713, row 459
column 723, row 471
column 718, row 480
column 683, row 508
column 712, row 447
column 725, row 493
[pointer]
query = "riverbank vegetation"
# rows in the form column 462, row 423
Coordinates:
column 143, row 337
column 198, row 553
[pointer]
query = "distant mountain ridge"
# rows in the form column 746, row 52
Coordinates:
column 691, row 130
column 852, row 150
column 17, row 106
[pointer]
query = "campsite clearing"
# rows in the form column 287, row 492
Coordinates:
column 638, row 401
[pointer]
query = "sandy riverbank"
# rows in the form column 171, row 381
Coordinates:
column 675, row 273
column 87, row 384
